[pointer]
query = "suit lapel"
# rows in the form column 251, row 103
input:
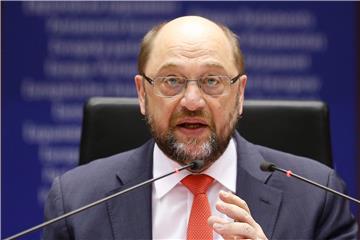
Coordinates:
column 263, row 200
column 130, row 214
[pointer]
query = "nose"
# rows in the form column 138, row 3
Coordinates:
column 193, row 97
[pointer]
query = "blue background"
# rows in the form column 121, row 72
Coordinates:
column 30, row 158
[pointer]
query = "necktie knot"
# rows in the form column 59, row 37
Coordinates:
column 197, row 184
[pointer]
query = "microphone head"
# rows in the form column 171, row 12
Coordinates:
column 197, row 165
column 267, row 166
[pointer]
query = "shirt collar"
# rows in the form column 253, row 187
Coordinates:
column 223, row 170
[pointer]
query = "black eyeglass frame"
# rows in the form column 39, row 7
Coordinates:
column 152, row 81
column 232, row 80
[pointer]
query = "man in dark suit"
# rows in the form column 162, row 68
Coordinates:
column 191, row 86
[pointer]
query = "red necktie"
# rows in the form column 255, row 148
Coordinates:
column 200, row 211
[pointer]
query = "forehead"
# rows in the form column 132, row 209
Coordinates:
column 186, row 44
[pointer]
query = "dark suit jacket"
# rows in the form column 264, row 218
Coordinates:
column 285, row 207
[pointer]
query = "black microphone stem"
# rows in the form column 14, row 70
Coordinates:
column 289, row 173
column 190, row 165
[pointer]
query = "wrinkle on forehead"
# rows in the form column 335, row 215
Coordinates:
column 189, row 50
column 177, row 65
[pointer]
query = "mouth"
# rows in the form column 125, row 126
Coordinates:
column 192, row 126
column 192, row 123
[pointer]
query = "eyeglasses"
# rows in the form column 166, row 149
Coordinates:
column 172, row 85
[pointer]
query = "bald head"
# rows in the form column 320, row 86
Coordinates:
column 193, row 34
column 190, row 29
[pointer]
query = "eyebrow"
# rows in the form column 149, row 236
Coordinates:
column 168, row 65
column 175, row 64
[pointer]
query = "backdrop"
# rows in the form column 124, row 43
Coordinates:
column 55, row 55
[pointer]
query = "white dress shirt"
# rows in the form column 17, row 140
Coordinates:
column 172, row 201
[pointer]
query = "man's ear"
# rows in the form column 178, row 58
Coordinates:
column 140, row 88
column 243, row 80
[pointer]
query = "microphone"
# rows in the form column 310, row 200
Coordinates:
column 267, row 166
column 270, row 167
column 193, row 166
column 197, row 165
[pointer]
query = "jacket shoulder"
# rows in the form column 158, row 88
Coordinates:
column 94, row 180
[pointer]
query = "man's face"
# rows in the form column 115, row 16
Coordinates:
column 192, row 125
